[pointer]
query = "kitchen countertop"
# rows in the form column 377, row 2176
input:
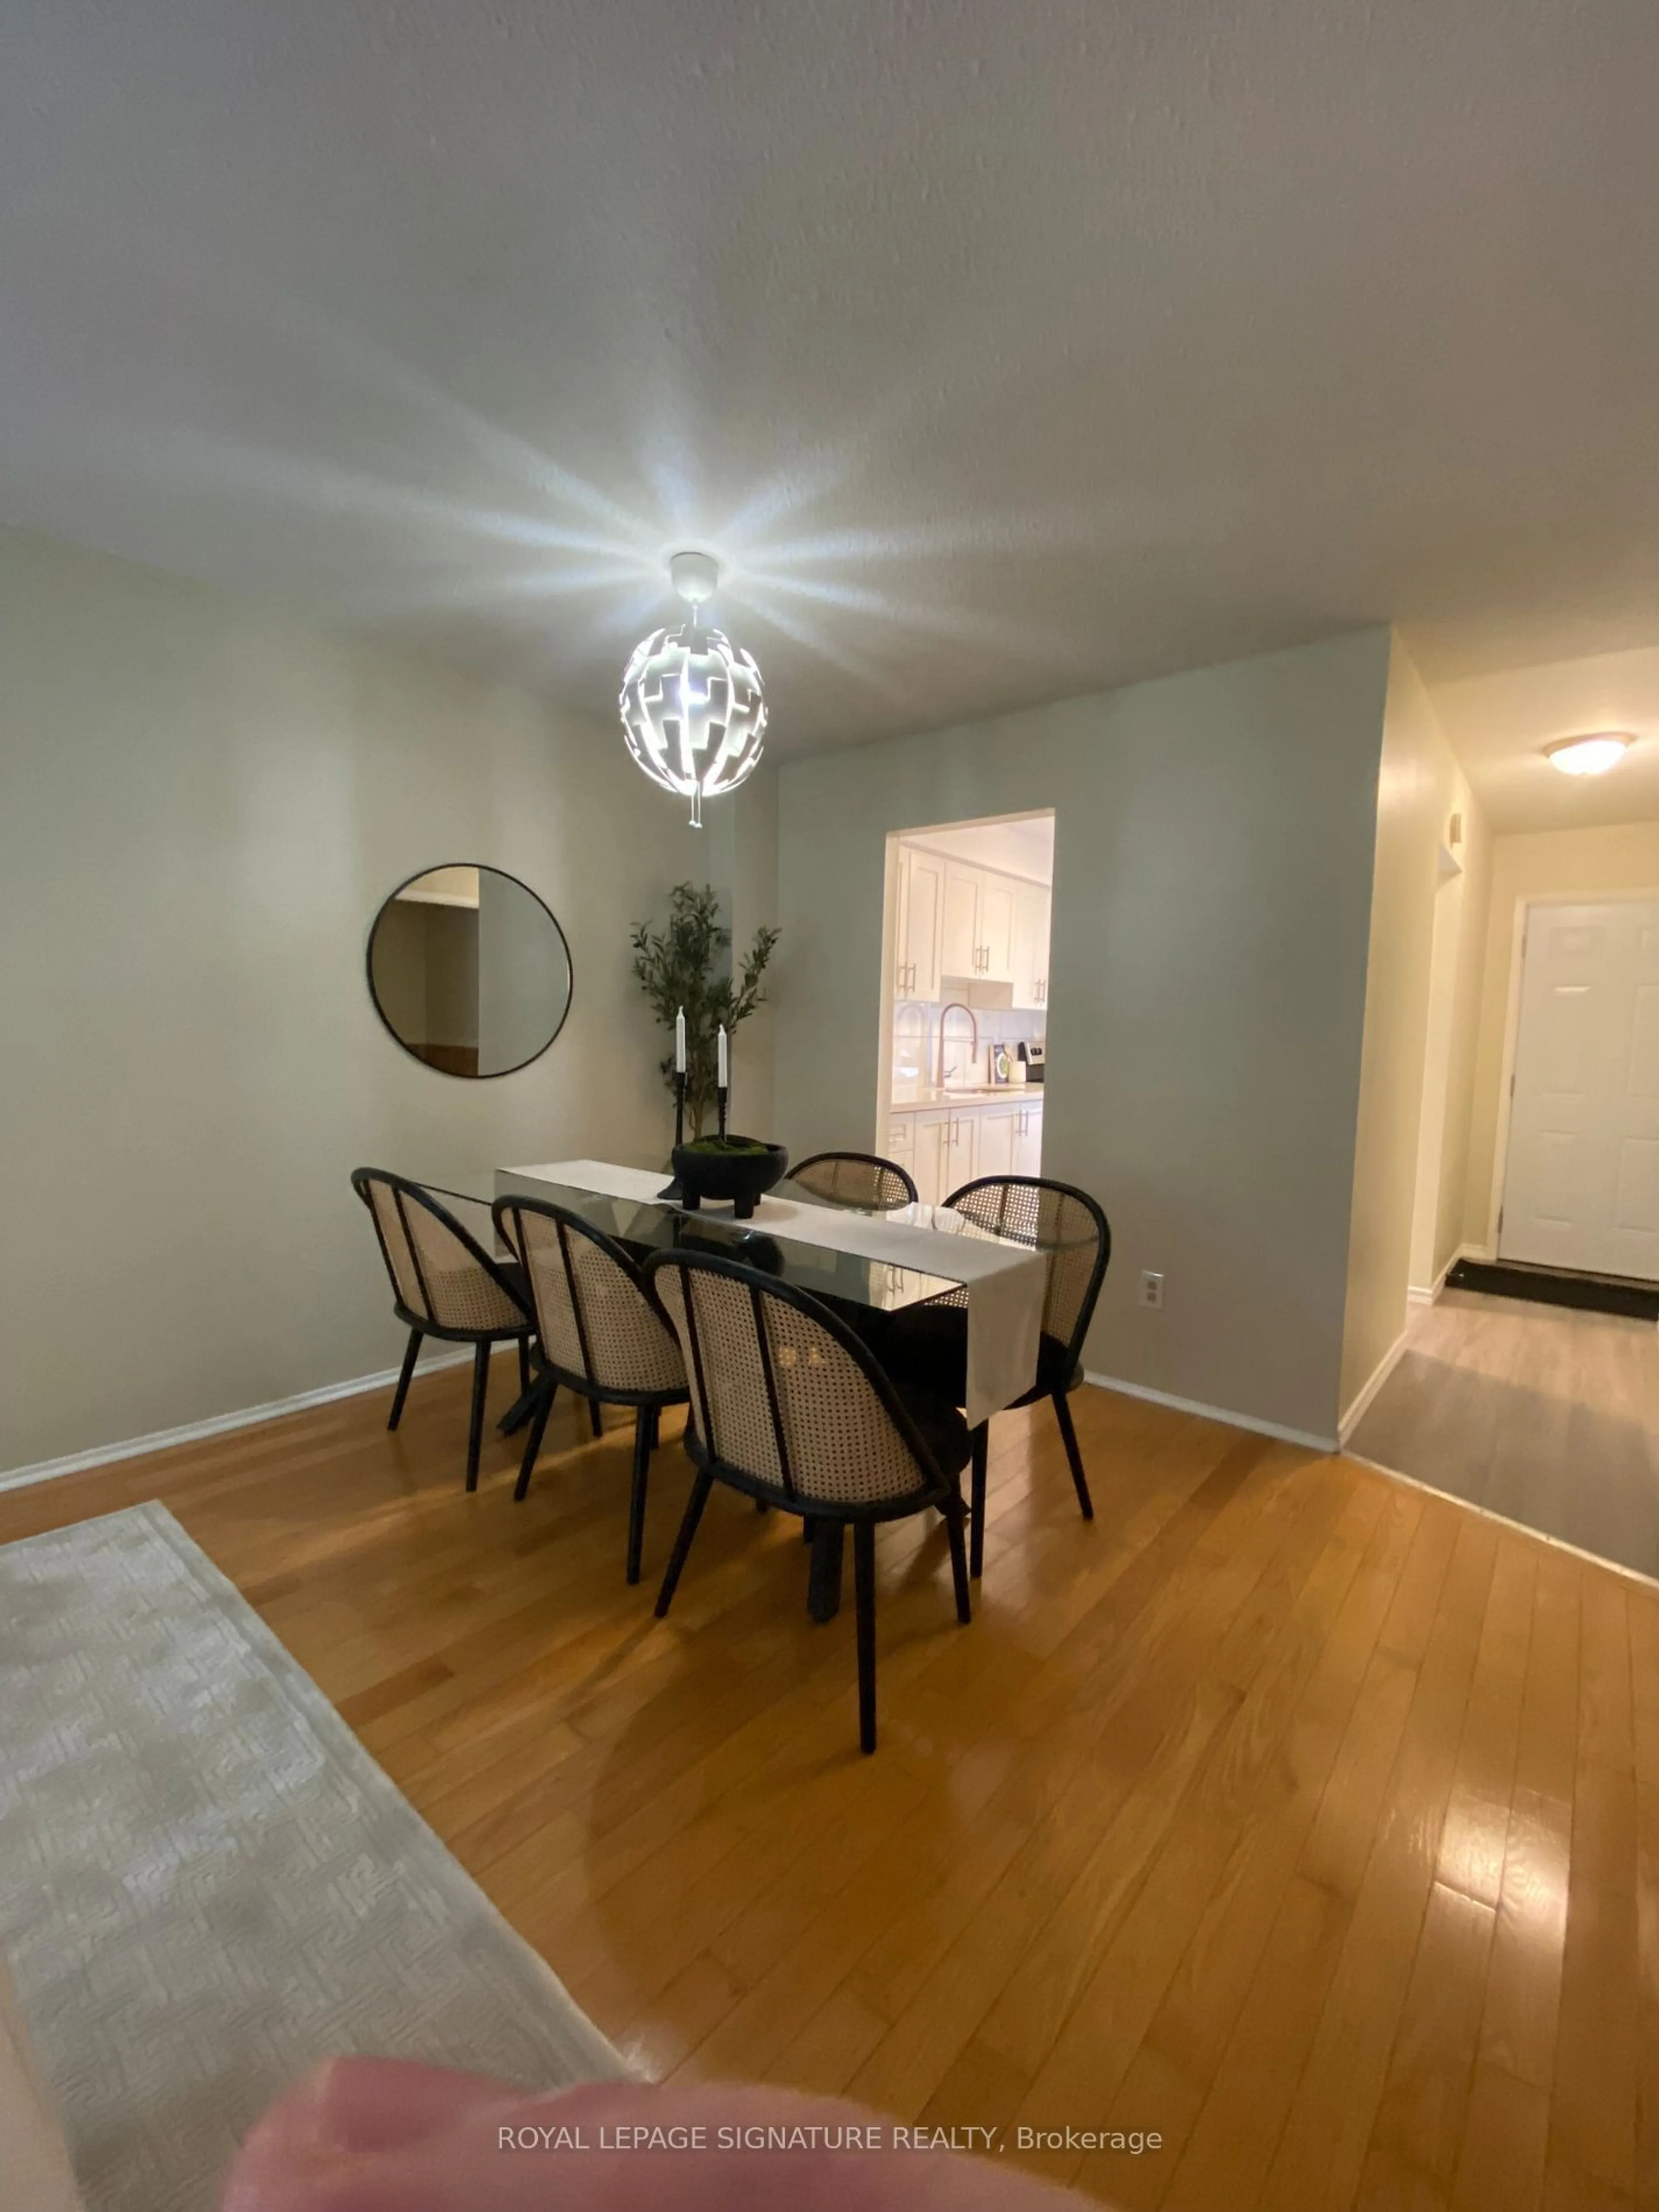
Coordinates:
column 926, row 1097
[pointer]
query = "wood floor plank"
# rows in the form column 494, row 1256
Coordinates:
column 1420, row 2120
column 1505, row 2142
column 1322, row 2152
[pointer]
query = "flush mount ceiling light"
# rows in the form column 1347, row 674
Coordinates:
column 693, row 706
column 1592, row 756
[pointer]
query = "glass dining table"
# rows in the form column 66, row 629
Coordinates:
column 862, row 1290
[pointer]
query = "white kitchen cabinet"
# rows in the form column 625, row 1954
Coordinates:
column 921, row 915
column 1030, row 945
column 943, row 1148
column 994, row 1148
column 901, row 1139
column 945, row 1151
column 996, row 928
column 1028, row 1138
column 930, row 1142
column 959, row 936
column 978, row 938
column 961, row 1151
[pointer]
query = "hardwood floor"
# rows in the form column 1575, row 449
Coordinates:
column 1547, row 1416
column 1303, row 1817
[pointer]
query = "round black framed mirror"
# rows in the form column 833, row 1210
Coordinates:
column 468, row 970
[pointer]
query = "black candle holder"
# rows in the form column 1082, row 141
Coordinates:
column 674, row 1191
column 720, row 1098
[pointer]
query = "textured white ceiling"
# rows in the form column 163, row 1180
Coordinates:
column 1004, row 350
column 1499, row 725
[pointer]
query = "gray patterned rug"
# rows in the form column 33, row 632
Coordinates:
column 206, row 1883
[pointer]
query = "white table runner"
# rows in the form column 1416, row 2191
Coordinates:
column 1005, row 1281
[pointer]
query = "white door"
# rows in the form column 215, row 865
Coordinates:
column 1028, row 1140
column 959, row 938
column 996, row 929
column 1581, row 1185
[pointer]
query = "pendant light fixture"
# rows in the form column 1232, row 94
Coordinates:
column 693, row 706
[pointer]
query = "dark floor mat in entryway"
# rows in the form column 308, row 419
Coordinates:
column 1588, row 1293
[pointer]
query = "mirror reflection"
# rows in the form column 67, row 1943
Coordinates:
column 470, row 971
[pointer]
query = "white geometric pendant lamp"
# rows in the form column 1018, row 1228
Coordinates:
column 693, row 706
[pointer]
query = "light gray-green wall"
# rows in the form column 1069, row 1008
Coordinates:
column 1214, row 841
column 204, row 804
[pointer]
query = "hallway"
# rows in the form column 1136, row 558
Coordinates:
column 1547, row 1416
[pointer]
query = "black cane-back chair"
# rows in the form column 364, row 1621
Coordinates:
column 444, row 1284
column 855, row 1179
column 790, row 1408
column 928, row 1344
column 600, row 1332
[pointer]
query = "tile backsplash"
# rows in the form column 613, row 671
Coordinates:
column 915, row 1041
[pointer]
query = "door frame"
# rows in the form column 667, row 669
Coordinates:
column 1524, row 903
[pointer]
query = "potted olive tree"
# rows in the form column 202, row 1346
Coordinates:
column 685, row 968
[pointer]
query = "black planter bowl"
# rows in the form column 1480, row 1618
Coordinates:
column 734, row 1170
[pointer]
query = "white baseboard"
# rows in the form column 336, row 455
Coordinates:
column 219, row 1425
column 1415, row 1293
column 1385, row 1367
column 1260, row 1428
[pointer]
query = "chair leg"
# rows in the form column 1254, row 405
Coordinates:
column 981, row 1463
column 524, row 1363
column 955, row 1514
column 636, row 1496
column 1080, row 1482
column 533, row 1443
column 596, row 1420
column 656, row 1426
column 480, row 1392
column 695, row 1503
column 864, row 1593
column 807, row 1527
column 410, row 1353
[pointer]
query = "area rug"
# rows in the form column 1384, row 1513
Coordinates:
column 206, row 1884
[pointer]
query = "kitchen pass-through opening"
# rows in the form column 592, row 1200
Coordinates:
column 965, row 1000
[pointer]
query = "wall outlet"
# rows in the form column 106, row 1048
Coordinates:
column 1152, row 1290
